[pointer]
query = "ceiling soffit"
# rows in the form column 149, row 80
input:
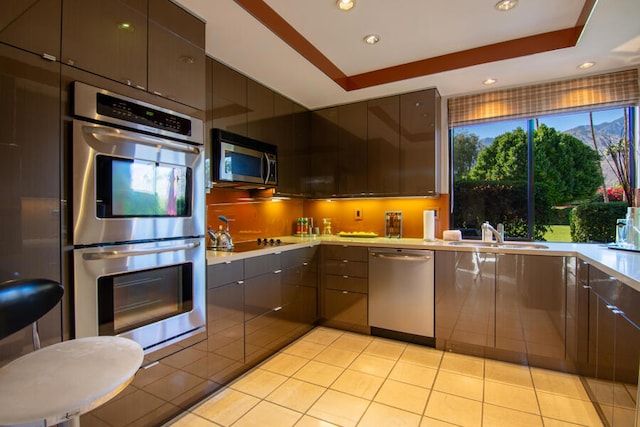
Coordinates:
column 530, row 45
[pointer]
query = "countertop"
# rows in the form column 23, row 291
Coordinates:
column 623, row 265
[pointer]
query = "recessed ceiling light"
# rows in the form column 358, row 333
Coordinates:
column 371, row 39
column 504, row 5
column 489, row 82
column 345, row 4
column 586, row 65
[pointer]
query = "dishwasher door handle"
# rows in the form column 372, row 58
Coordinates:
column 401, row 257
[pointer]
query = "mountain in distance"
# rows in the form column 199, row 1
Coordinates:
column 606, row 133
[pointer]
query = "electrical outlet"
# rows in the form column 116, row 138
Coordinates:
column 358, row 214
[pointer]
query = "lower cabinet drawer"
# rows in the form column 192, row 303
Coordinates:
column 345, row 307
column 347, row 283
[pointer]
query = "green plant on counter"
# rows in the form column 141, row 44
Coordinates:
column 595, row 222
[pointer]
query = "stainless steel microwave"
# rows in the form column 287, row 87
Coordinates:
column 243, row 162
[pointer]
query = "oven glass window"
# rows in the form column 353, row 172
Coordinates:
column 136, row 188
column 131, row 300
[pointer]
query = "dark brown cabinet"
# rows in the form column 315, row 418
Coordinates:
column 30, row 236
column 229, row 99
column 324, row 153
column 614, row 348
column 465, row 301
column 32, row 25
column 150, row 44
column 383, row 146
column 344, row 302
column 260, row 105
column 352, row 149
column 531, row 307
column 176, row 67
column 419, row 125
column 225, row 320
column 107, row 37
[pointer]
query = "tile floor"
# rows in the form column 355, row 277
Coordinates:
column 331, row 377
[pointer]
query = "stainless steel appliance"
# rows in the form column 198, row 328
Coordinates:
column 243, row 162
column 138, row 219
column 151, row 292
column 135, row 184
column 401, row 294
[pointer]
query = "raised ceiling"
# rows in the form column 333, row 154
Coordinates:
column 312, row 52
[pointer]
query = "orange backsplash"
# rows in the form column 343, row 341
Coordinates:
column 257, row 214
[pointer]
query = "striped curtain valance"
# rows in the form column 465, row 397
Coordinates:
column 606, row 90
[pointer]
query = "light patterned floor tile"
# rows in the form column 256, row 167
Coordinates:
column 306, row 349
column 413, row 374
column 295, row 394
column 323, row 336
column 454, row 409
column 550, row 422
column 308, row 421
column 385, row 348
column 496, row 416
column 432, row 422
column 462, row 364
column 381, row 415
column 358, row 384
column 259, row 383
column 558, row 383
column 507, row 373
column 267, row 414
column 284, row 364
column 336, row 356
column 226, row 407
column 372, row 365
column 459, row 385
column 352, row 342
column 567, row 409
column 339, row 408
column 403, row 396
column 318, row 373
column 423, row 356
column 513, row 397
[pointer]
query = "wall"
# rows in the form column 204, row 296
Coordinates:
column 257, row 214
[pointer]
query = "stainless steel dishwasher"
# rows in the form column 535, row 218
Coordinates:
column 401, row 294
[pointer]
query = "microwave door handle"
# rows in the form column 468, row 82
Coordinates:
column 265, row 178
column 142, row 139
column 97, row 256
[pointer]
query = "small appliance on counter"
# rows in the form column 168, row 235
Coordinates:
column 221, row 239
column 628, row 231
column 393, row 224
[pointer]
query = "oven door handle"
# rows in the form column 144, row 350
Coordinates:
column 142, row 139
column 97, row 256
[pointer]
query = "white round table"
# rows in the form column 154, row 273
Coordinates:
column 60, row 382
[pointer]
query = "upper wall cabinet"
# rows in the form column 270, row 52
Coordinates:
column 153, row 45
column 383, row 123
column 419, row 132
column 229, row 99
column 352, row 149
column 323, row 179
column 32, row 25
column 107, row 37
column 260, row 112
column 176, row 68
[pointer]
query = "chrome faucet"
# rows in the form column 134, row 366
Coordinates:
column 487, row 227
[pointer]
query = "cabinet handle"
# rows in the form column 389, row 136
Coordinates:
column 616, row 311
column 277, row 272
column 305, row 264
column 586, row 287
column 345, row 261
column 277, row 308
column 240, row 282
column 611, row 307
column 227, row 262
column 49, row 57
column 345, row 292
column 345, row 277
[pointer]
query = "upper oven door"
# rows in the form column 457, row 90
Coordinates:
column 130, row 186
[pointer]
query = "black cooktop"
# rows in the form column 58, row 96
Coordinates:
column 253, row 245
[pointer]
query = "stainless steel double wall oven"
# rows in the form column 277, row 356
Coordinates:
column 138, row 219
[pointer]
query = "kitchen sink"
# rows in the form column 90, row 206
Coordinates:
column 505, row 245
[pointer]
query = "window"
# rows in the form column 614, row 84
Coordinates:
column 529, row 173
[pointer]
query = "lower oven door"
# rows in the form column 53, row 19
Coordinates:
column 152, row 292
